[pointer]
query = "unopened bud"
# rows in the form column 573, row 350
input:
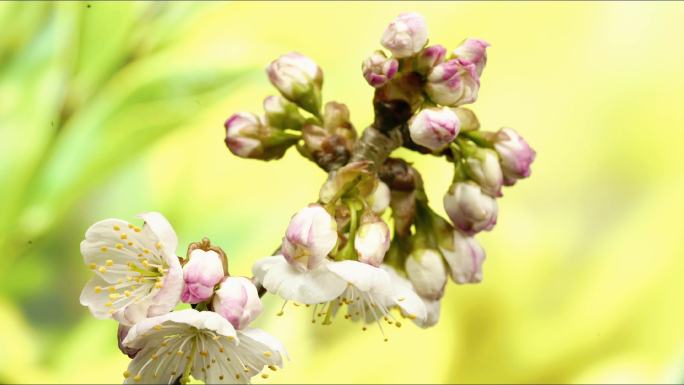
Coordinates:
column 406, row 35
column 203, row 271
column 299, row 79
column 310, row 237
column 469, row 208
column 429, row 57
column 282, row 114
column 483, row 167
column 372, row 240
column 378, row 69
column 474, row 51
column 515, row 154
column 380, row 198
column 237, row 300
column 426, row 271
column 465, row 257
column 453, row 83
column 354, row 179
column 434, row 128
column 468, row 119
column 247, row 136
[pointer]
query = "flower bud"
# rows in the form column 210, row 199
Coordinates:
column 406, row 35
column 469, row 208
column 453, row 83
column 468, row 119
column 237, row 300
column 474, row 51
column 330, row 145
column 248, row 137
column 372, row 240
column 429, row 57
column 282, row 114
column 354, row 179
column 378, row 69
column 434, row 128
column 465, row 257
column 203, row 271
column 380, row 198
column 515, row 154
column 299, row 79
column 483, row 167
column 310, row 237
column 426, row 271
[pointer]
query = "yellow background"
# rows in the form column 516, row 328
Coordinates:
column 100, row 117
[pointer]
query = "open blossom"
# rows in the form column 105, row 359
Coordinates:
column 516, row 155
column 434, row 128
column 469, row 208
column 310, row 237
column 465, row 257
column 372, row 240
column 299, row 79
column 453, row 83
column 237, row 300
column 378, row 69
column 430, row 309
column 429, row 57
column 202, row 344
column 426, row 271
column 406, row 35
column 137, row 272
column 484, row 169
column 474, row 51
column 366, row 290
column 203, row 271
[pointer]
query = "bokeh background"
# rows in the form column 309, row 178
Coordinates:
column 111, row 109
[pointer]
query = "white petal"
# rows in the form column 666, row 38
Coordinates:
column 94, row 299
column 309, row 287
column 363, row 276
column 432, row 308
column 169, row 295
column 404, row 296
column 188, row 318
column 267, row 340
column 164, row 233
column 261, row 266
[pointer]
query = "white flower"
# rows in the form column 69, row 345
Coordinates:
column 310, row 236
column 406, row 35
column 367, row 291
column 372, row 241
column 202, row 344
column 203, row 271
column 137, row 272
column 469, row 208
column 465, row 258
column 237, row 300
column 425, row 269
column 434, row 128
column 484, row 169
column 380, row 198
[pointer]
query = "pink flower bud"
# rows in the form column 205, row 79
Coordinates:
column 469, row 208
column 473, row 51
column 242, row 131
column 515, row 154
column 465, row 257
column 372, row 240
column 429, row 57
column 237, row 300
column 453, row 83
column 378, row 69
column 299, row 79
column 282, row 114
column 484, row 169
column 434, row 128
column 310, row 237
column 406, row 35
column 426, row 271
column 203, row 271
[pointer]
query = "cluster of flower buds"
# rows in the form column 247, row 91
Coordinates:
column 338, row 251
column 338, row 254
column 139, row 281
